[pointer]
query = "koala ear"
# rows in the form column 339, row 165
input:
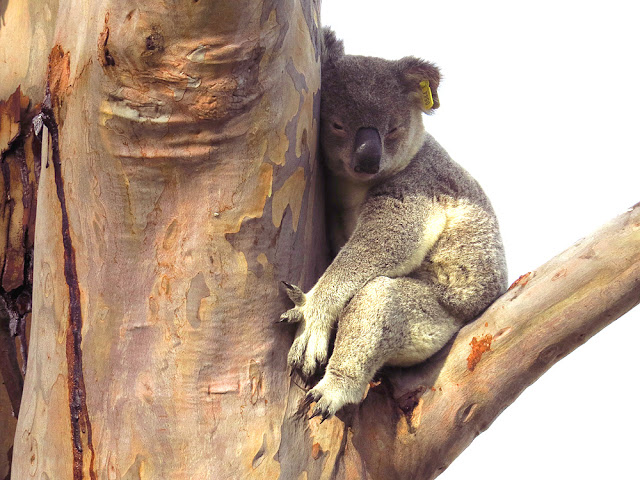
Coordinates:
column 421, row 79
column 332, row 48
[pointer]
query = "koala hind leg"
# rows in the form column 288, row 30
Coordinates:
column 392, row 321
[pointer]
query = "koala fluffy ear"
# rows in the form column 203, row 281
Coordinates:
column 421, row 79
column 332, row 48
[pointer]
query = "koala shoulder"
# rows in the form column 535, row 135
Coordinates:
column 433, row 172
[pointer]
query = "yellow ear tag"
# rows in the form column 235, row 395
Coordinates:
column 427, row 97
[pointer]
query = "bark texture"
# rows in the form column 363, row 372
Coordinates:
column 19, row 154
column 178, row 187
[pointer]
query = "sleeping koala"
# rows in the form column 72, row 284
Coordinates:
column 417, row 248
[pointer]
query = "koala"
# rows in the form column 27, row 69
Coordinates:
column 418, row 252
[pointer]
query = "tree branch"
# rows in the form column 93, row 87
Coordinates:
column 418, row 420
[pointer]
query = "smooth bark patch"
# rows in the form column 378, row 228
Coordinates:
column 198, row 290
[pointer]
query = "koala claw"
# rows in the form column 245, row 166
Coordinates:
column 324, row 408
column 293, row 315
column 298, row 297
column 318, row 411
column 306, row 402
column 295, row 293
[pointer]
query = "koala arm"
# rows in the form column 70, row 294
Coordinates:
column 391, row 238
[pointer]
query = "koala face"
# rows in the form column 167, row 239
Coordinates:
column 371, row 112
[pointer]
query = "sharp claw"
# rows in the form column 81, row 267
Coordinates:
column 294, row 292
column 315, row 413
column 325, row 416
column 304, row 404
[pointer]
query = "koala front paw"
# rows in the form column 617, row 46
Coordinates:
column 310, row 350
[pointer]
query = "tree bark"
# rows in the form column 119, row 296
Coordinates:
column 19, row 154
column 178, row 185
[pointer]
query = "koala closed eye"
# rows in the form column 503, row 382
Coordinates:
column 394, row 133
column 336, row 128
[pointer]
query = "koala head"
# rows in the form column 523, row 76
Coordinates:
column 371, row 111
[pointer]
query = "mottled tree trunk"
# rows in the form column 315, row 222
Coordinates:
column 177, row 185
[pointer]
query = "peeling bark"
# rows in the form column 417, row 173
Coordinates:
column 179, row 187
column 17, row 217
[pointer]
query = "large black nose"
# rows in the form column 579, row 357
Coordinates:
column 367, row 151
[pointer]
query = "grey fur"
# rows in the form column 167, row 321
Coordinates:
column 419, row 252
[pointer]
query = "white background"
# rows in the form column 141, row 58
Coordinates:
column 540, row 101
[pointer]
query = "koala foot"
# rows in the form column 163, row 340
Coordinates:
column 330, row 395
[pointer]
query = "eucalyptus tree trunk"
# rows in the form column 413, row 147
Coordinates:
column 178, row 186
column 19, row 155
column 173, row 149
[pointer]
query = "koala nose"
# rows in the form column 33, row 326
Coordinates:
column 367, row 151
